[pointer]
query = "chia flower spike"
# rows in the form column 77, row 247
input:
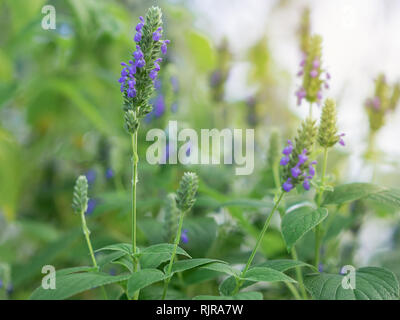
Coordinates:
column 171, row 217
column 328, row 133
column 186, row 193
column 296, row 161
column 138, row 75
column 80, row 196
column 312, row 72
column 385, row 100
column 304, row 30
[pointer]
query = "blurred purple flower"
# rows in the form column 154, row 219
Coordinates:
column 92, row 203
column 184, row 236
column 91, row 176
column 109, row 173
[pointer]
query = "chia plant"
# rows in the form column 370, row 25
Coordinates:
column 137, row 86
column 185, row 199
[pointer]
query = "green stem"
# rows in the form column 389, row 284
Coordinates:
column 318, row 231
column 260, row 237
column 86, row 232
column 135, row 160
column 299, row 275
column 171, row 261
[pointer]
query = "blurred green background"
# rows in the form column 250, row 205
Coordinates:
column 61, row 116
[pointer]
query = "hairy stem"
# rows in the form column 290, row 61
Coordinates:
column 318, row 231
column 299, row 275
column 260, row 237
column 86, row 232
column 135, row 160
column 171, row 261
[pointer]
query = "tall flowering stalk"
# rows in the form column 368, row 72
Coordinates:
column 137, row 85
column 315, row 78
column 298, row 169
column 185, row 199
column 384, row 101
column 327, row 138
column 80, row 205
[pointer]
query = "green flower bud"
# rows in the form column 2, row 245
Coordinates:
column 385, row 100
column 80, row 197
column 131, row 121
column 312, row 81
column 186, row 194
column 171, row 217
column 327, row 134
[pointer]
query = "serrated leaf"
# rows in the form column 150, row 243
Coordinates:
column 222, row 267
column 229, row 284
column 239, row 296
column 351, row 192
column 389, row 197
column 184, row 265
column 298, row 222
column 265, row 274
column 72, row 284
column 67, row 271
column 283, row 265
column 371, row 283
column 153, row 256
column 123, row 247
column 142, row 279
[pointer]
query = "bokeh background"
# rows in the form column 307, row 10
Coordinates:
column 230, row 64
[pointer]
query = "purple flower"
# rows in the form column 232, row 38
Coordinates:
column 320, row 267
column 138, row 37
column 92, row 203
column 164, row 46
column 109, row 173
column 288, row 150
column 328, row 75
column 287, row 186
column 138, row 54
column 1, row 283
column 295, row 171
column 140, row 63
column 341, row 141
column 184, row 236
column 306, row 185
column 91, row 176
column 316, row 63
column 300, row 94
column 302, row 157
column 159, row 106
column 157, row 34
column 153, row 74
column 314, row 73
column 139, row 26
column 284, row 161
column 175, row 84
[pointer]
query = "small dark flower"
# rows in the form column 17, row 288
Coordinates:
column 184, row 236
column 91, row 176
column 92, row 203
column 109, row 173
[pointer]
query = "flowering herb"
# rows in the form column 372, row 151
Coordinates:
column 298, row 168
column 315, row 78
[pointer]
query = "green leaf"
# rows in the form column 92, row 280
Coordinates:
column 351, row 192
column 389, row 197
column 248, row 203
column 64, row 272
column 125, row 261
column 153, row 256
column 184, row 265
column 283, row 265
column 229, row 284
column 223, row 268
column 298, row 222
column 239, row 296
column 124, row 247
column 266, row 275
column 72, row 284
column 371, row 283
column 142, row 279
